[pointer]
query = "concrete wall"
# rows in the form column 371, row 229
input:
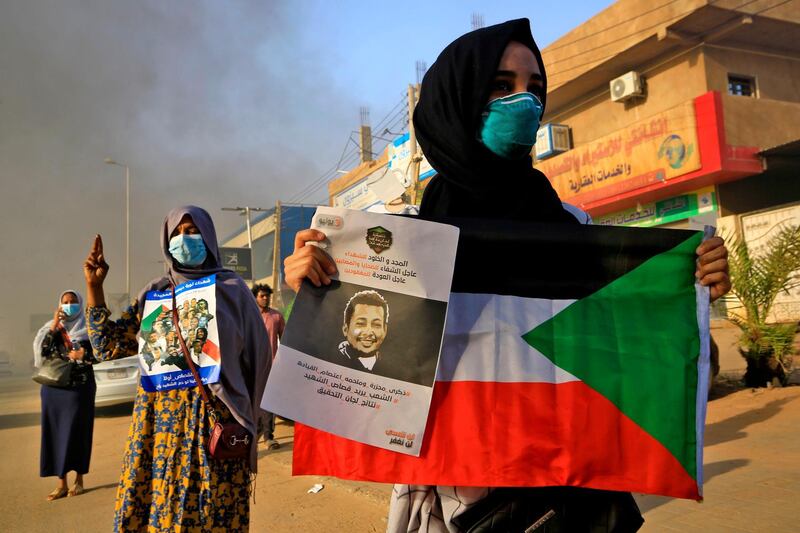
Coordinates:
column 758, row 122
column 616, row 28
column 673, row 81
column 764, row 8
column 773, row 117
column 777, row 78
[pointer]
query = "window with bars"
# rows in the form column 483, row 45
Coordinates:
column 741, row 85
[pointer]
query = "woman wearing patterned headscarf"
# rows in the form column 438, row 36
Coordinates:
column 169, row 480
column 67, row 412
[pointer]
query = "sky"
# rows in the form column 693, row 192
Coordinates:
column 214, row 103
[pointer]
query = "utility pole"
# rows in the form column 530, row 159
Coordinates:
column 109, row 161
column 276, row 258
column 413, row 170
column 422, row 67
column 246, row 212
column 366, row 136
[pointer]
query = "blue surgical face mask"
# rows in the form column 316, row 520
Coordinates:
column 188, row 250
column 509, row 125
column 70, row 309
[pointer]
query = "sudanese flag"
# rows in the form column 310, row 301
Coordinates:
column 572, row 356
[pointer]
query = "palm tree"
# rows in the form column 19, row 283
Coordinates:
column 757, row 279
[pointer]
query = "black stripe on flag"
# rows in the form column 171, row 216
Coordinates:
column 555, row 261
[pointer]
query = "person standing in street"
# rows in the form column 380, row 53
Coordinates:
column 171, row 480
column 274, row 323
column 67, row 412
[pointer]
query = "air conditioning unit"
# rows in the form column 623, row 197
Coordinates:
column 629, row 85
column 552, row 139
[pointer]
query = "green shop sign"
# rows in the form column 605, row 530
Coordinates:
column 664, row 211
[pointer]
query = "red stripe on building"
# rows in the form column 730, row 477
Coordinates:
column 719, row 163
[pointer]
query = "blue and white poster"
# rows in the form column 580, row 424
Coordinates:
column 161, row 360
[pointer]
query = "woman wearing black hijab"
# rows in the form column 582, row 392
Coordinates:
column 451, row 125
column 476, row 121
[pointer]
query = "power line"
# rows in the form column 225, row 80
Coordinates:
column 331, row 172
column 648, row 28
column 672, row 19
column 325, row 174
column 324, row 177
column 391, row 111
column 354, row 157
column 583, row 51
column 390, row 120
column 607, row 28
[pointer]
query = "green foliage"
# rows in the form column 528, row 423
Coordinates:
column 757, row 278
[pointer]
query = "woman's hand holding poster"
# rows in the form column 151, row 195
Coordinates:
column 358, row 357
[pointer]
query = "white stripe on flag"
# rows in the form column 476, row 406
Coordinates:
column 483, row 340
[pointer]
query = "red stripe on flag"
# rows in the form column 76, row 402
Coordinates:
column 510, row 434
column 211, row 350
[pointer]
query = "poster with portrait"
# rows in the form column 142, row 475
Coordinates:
column 358, row 357
column 162, row 364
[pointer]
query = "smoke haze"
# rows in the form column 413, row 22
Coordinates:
column 208, row 102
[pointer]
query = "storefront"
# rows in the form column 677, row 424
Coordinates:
column 667, row 166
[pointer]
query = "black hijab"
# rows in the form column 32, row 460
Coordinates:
column 471, row 181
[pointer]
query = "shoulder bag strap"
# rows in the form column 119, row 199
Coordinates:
column 185, row 350
column 65, row 336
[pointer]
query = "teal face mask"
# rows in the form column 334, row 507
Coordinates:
column 188, row 250
column 509, row 125
column 70, row 309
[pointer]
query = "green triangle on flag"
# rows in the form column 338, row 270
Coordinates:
column 642, row 357
column 147, row 322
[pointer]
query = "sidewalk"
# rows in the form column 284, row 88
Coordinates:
column 752, row 469
column 752, row 458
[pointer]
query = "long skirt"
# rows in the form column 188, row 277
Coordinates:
column 168, row 481
column 67, row 425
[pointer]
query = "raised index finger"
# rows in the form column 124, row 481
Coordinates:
column 302, row 237
column 97, row 245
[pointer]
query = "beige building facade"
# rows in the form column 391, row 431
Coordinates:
column 719, row 86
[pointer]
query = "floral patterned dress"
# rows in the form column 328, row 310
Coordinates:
column 168, row 481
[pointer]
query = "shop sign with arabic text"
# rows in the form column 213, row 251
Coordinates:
column 655, row 149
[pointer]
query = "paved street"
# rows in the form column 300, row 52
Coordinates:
column 282, row 503
column 752, row 472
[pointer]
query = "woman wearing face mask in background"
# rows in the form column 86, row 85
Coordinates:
column 476, row 122
column 67, row 413
column 169, row 480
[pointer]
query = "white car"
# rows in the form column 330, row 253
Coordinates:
column 117, row 381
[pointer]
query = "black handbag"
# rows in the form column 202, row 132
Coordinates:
column 54, row 372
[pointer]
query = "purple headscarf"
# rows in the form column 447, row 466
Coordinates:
column 244, row 347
